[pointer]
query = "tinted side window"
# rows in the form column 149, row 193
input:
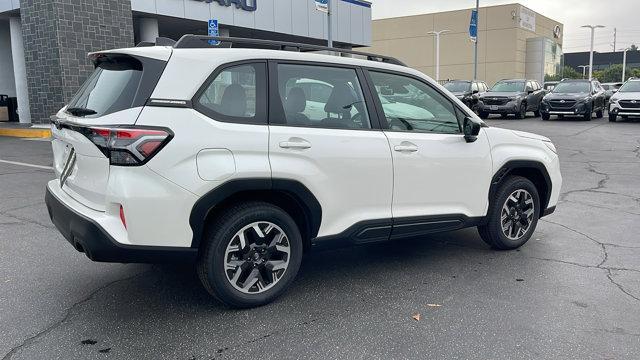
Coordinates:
column 320, row 96
column 412, row 105
column 235, row 94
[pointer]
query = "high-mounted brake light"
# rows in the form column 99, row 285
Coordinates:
column 131, row 146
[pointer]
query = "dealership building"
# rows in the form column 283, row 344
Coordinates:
column 514, row 42
column 44, row 44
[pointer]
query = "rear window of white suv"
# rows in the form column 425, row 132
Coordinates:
column 119, row 82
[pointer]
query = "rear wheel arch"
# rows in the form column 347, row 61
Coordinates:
column 289, row 195
column 534, row 171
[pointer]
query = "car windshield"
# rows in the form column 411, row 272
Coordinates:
column 572, row 87
column 457, row 86
column 630, row 86
column 508, row 86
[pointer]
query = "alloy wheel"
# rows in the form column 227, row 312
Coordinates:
column 517, row 214
column 257, row 257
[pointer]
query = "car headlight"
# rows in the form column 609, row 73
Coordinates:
column 551, row 147
column 583, row 101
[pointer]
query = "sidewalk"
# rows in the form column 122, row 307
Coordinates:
column 24, row 130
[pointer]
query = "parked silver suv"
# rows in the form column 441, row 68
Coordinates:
column 516, row 96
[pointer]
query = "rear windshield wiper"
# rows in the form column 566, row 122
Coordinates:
column 79, row 111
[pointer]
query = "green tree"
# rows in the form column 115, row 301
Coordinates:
column 567, row 73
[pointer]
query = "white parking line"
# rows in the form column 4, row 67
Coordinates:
column 25, row 164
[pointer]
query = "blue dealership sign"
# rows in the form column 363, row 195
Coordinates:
column 213, row 31
column 322, row 5
column 473, row 26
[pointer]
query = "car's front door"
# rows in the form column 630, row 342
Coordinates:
column 436, row 172
column 323, row 134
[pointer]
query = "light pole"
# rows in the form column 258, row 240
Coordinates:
column 437, row 35
column 584, row 68
column 593, row 30
column 624, row 63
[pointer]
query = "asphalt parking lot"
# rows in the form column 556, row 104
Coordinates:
column 572, row 292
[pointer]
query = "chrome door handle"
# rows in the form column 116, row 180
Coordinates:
column 406, row 146
column 295, row 143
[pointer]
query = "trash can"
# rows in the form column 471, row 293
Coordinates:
column 13, row 109
column 4, row 108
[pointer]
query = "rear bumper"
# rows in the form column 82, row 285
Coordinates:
column 87, row 236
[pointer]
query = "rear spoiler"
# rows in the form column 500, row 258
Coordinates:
column 160, row 41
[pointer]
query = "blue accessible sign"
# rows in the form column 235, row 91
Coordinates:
column 213, row 31
column 473, row 26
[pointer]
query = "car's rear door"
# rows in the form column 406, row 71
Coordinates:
column 329, row 142
column 113, row 95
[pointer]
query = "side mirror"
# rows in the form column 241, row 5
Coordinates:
column 471, row 130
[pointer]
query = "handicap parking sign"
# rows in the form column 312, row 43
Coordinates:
column 213, row 31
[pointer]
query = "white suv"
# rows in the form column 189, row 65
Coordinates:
column 626, row 101
column 220, row 155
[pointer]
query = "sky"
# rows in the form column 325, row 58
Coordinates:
column 620, row 14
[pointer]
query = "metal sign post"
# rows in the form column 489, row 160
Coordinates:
column 473, row 32
column 325, row 7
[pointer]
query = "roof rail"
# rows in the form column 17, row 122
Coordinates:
column 190, row 41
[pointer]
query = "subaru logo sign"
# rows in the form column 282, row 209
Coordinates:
column 247, row 5
column 562, row 101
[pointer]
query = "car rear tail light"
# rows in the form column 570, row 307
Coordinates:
column 122, row 218
column 130, row 146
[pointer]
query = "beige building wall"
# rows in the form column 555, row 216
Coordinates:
column 502, row 42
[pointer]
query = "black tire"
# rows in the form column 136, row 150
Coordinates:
column 492, row 233
column 211, row 261
column 523, row 111
column 545, row 116
column 483, row 115
column 612, row 117
column 599, row 114
column 587, row 115
column 537, row 113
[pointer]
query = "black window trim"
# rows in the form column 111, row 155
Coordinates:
column 382, row 117
column 275, row 103
column 262, row 104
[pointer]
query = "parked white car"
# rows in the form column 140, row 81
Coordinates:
column 216, row 155
column 626, row 101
